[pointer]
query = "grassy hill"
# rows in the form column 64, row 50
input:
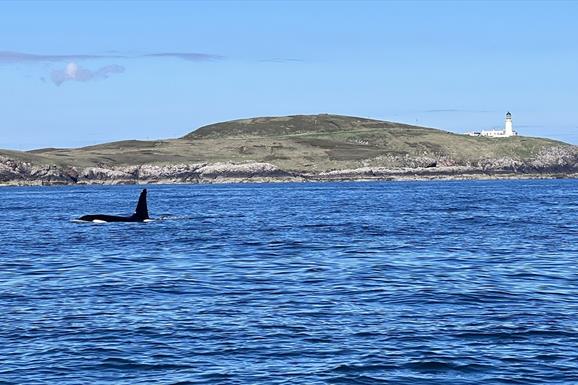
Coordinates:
column 301, row 142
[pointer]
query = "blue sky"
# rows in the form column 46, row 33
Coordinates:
column 80, row 73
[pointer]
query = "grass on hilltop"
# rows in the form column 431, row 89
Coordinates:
column 302, row 142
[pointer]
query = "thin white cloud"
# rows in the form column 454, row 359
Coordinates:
column 74, row 72
column 189, row 56
column 281, row 60
column 451, row 110
column 11, row 57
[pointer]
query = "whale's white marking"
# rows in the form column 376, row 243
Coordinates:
column 99, row 221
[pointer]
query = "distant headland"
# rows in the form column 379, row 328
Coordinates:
column 320, row 147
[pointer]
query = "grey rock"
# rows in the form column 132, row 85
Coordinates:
column 554, row 161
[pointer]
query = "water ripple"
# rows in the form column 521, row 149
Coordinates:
column 351, row 283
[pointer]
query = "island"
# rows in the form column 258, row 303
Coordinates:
column 296, row 148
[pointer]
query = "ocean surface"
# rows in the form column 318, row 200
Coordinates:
column 332, row 283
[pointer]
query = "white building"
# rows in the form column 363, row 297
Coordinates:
column 506, row 132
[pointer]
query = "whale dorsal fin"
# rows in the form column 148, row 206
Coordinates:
column 142, row 211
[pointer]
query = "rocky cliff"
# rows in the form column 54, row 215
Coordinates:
column 552, row 162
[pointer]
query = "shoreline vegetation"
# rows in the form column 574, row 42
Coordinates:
column 299, row 148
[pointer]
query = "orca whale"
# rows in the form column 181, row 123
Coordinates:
column 141, row 213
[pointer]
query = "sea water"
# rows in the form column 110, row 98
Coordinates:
column 332, row 283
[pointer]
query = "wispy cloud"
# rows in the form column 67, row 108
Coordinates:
column 20, row 57
column 73, row 72
column 449, row 110
column 11, row 57
column 190, row 56
column 281, row 60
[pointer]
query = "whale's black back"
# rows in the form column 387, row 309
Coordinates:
column 141, row 213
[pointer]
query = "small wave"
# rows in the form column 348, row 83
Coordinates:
column 355, row 368
column 169, row 217
column 442, row 366
column 122, row 363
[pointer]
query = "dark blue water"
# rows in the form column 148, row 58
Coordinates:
column 351, row 283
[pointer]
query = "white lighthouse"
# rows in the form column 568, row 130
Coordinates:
column 508, row 129
column 506, row 132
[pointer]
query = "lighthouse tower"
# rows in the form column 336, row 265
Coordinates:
column 508, row 129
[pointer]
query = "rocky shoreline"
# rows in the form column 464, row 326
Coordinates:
column 557, row 162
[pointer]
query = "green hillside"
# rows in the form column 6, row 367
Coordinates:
column 301, row 142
